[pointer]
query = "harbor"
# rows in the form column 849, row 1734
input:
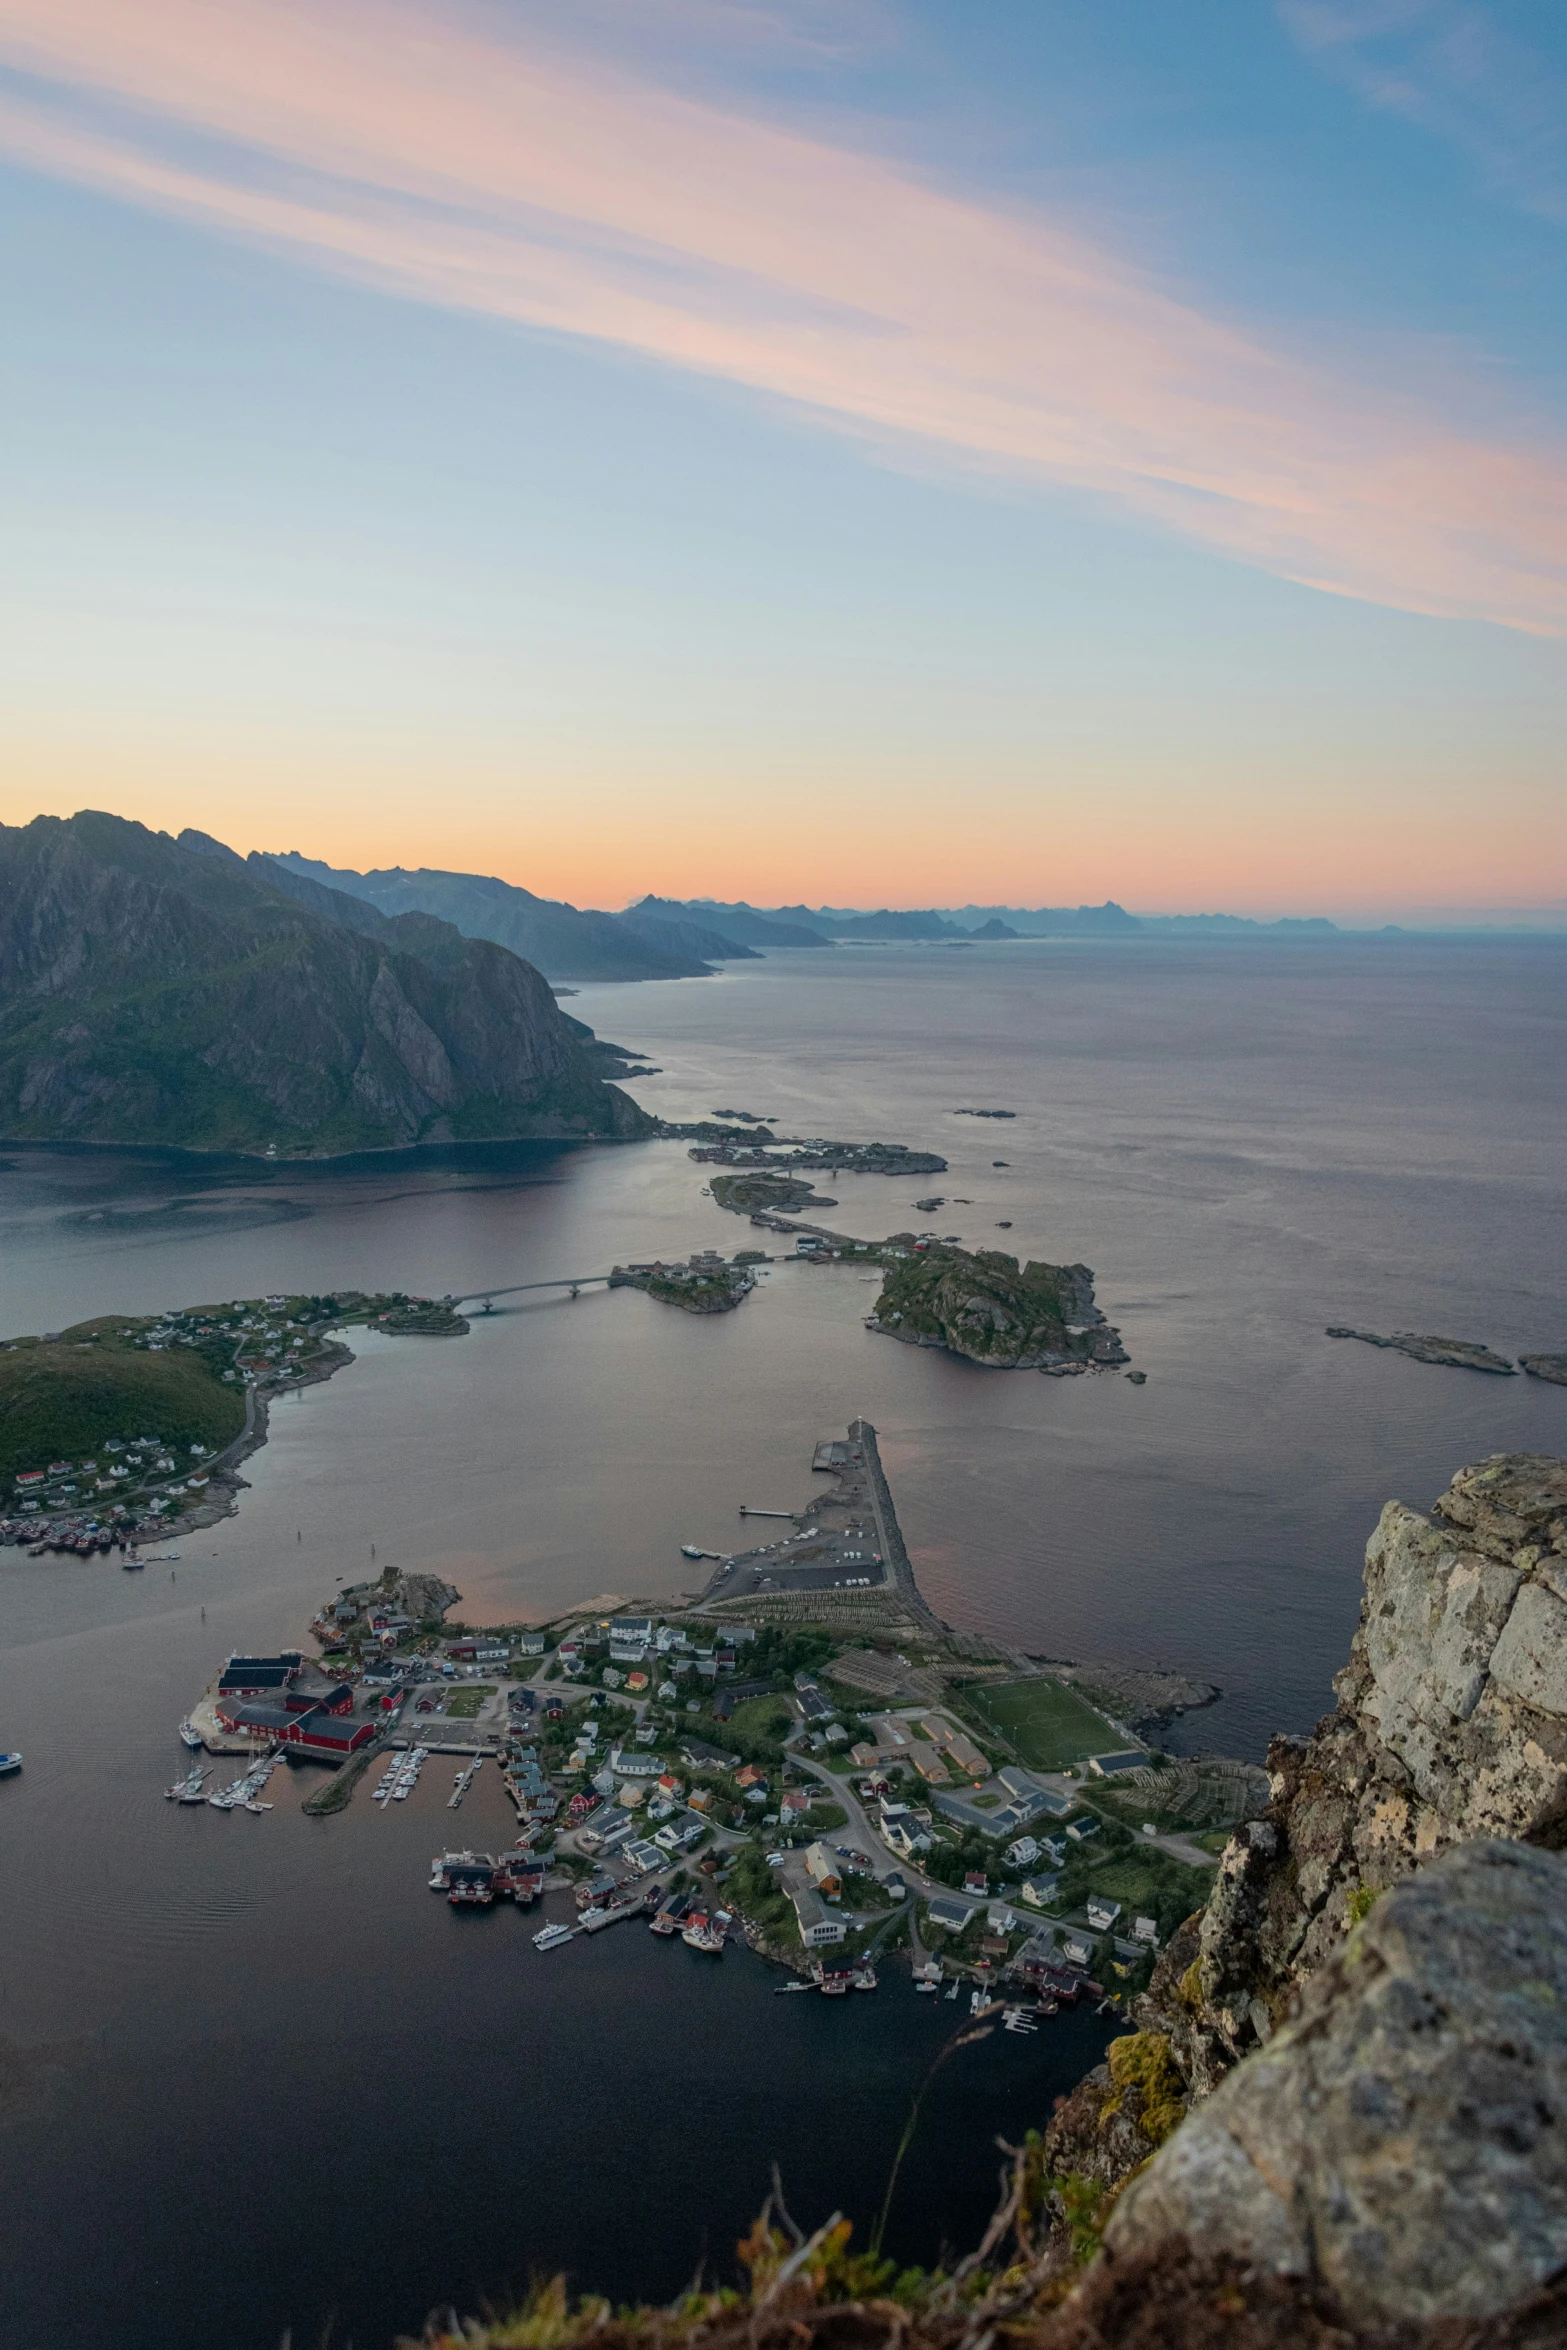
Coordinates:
column 737, row 1772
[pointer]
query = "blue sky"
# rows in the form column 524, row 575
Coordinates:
column 1043, row 452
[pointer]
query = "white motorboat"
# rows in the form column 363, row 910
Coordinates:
column 551, row 1937
column 190, row 1735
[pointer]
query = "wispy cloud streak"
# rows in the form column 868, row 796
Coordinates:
column 1459, row 71
column 440, row 155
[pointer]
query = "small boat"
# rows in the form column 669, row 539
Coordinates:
column 835, row 1985
column 931, row 1988
column 952, row 1989
column 190, row 1735
column 800, row 1983
column 551, row 1937
column 10, row 1764
column 864, row 1976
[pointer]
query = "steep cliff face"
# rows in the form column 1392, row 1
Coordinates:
column 162, row 991
column 1451, row 1723
column 1350, row 2065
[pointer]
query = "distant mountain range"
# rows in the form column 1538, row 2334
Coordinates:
column 566, row 943
column 169, row 991
column 823, row 925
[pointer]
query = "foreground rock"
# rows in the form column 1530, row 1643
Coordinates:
column 1404, row 2138
column 1551, row 1367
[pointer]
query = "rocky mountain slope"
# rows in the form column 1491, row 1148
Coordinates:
column 1381, row 1968
column 564, row 942
column 154, row 990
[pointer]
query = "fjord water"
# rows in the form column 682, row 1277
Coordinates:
column 251, row 2074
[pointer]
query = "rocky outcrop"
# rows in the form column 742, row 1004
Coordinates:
column 1458, row 1354
column 984, row 1306
column 1403, row 2138
column 154, row 990
column 1451, row 1724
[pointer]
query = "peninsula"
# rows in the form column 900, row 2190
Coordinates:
column 128, row 1426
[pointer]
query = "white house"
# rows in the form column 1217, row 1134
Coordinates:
column 817, row 1924
column 1102, row 1914
column 1023, row 1853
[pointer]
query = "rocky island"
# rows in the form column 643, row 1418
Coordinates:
column 727, row 1149
column 749, row 1195
column 1551, row 1367
column 982, row 1305
column 705, row 1284
column 1458, row 1354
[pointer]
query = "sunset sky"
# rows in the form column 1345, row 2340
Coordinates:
column 868, row 451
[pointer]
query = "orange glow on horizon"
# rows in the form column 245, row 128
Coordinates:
column 1160, row 845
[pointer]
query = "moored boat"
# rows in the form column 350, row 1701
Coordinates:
column 551, row 1937
column 701, row 1932
column 189, row 1733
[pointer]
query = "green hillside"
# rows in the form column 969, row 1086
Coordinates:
column 63, row 1398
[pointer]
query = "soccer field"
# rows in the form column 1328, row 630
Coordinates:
column 1048, row 1723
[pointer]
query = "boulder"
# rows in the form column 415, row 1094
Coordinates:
column 1402, row 2140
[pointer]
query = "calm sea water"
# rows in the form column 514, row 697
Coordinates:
column 251, row 2074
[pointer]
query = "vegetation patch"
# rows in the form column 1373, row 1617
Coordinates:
column 1048, row 1725
column 66, row 1397
column 1143, row 2063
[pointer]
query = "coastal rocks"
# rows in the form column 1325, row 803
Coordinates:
column 1404, row 2138
column 1459, row 1354
column 1145, row 1697
column 982, row 1306
column 1551, row 1367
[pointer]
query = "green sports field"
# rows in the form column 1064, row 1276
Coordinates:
column 1048, row 1723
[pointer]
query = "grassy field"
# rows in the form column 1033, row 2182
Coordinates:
column 1048, row 1723
column 63, row 1400
column 463, row 1704
column 767, row 1719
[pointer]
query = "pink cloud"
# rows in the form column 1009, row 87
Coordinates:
column 443, row 156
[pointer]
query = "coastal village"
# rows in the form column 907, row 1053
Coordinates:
column 831, row 1792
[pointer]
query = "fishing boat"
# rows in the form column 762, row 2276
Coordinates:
column 701, row 1932
column 835, row 1983
column 189, row 1733
column 864, row 1976
column 551, row 1937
